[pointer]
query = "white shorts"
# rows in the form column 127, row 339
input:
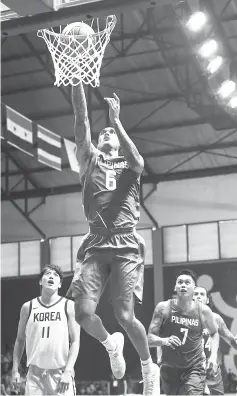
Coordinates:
column 42, row 382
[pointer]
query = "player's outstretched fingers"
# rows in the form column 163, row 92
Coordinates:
column 116, row 98
column 108, row 100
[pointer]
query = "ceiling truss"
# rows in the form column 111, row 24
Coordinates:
column 180, row 69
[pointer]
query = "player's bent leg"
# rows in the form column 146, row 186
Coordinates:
column 86, row 289
column 85, row 316
column 193, row 383
column 170, row 380
column 124, row 312
column 126, row 284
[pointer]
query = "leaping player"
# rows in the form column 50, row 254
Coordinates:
column 177, row 327
column 214, row 382
column 47, row 325
column 112, row 250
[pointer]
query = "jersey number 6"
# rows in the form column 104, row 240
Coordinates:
column 110, row 181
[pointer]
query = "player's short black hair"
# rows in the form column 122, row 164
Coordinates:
column 55, row 268
column 189, row 273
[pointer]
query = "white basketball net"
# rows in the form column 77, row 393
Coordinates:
column 78, row 58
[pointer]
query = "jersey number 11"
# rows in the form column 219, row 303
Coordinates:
column 45, row 332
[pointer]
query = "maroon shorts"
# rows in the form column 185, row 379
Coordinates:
column 215, row 383
column 177, row 381
column 117, row 257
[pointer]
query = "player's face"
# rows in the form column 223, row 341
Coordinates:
column 108, row 139
column 200, row 294
column 50, row 280
column 185, row 286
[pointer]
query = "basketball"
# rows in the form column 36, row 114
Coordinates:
column 78, row 32
column 78, row 29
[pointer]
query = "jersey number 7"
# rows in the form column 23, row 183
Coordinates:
column 185, row 331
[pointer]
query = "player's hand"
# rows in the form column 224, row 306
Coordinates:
column 114, row 107
column 15, row 379
column 172, row 341
column 64, row 381
column 212, row 366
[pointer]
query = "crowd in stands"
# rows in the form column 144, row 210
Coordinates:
column 6, row 372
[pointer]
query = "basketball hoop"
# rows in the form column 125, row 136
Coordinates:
column 78, row 58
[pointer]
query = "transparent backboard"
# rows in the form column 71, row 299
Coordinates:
column 58, row 4
column 23, row 16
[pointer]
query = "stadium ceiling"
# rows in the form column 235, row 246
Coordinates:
column 165, row 104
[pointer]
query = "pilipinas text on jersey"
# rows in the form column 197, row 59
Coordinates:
column 189, row 329
column 111, row 193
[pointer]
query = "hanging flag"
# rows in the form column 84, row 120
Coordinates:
column 19, row 131
column 49, row 148
column 71, row 153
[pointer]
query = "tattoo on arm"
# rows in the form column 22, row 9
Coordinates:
column 157, row 320
column 224, row 332
column 222, row 328
column 209, row 320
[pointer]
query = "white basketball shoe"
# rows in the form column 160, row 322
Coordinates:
column 117, row 362
column 151, row 381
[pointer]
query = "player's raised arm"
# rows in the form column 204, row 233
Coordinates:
column 82, row 130
column 74, row 336
column 154, row 330
column 129, row 150
column 20, row 342
column 224, row 332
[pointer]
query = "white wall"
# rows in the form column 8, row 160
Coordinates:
column 195, row 200
column 181, row 202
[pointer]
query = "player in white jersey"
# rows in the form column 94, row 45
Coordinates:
column 214, row 382
column 48, row 328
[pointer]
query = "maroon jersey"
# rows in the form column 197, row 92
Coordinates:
column 111, row 192
column 189, row 329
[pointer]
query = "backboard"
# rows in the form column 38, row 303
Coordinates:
column 25, row 16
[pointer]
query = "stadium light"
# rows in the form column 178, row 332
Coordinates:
column 227, row 88
column 215, row 64
column 233, row 102
column 208, row 48
column 196, row 21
